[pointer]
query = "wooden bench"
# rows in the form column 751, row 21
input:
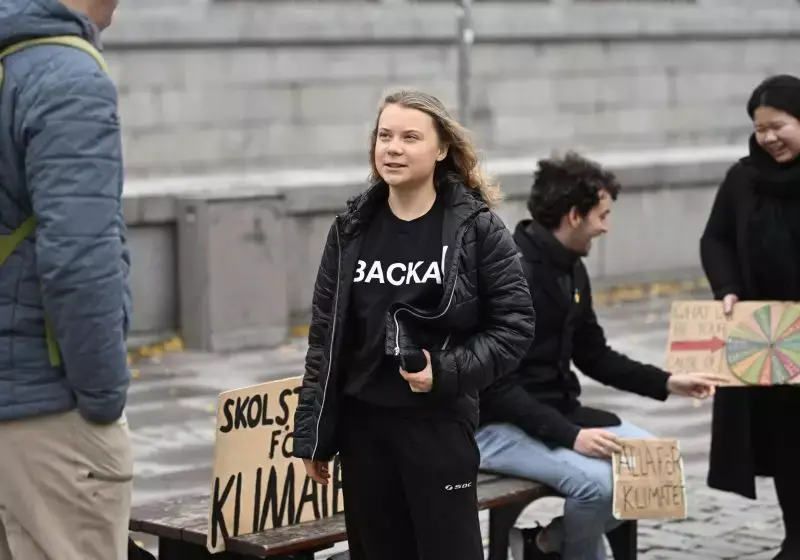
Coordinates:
column 181, row 527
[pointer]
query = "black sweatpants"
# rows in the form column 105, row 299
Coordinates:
column 409, row 486
column 780, row 413
column 788, row 489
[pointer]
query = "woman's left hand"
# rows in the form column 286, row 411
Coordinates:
column 422, row 381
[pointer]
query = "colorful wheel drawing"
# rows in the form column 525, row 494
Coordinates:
column 764, row 349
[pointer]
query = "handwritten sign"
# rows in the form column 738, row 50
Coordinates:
column 758, row 345
column 256, row 483
column 649, row 480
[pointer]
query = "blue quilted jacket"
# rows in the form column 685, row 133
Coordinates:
column 61, row 161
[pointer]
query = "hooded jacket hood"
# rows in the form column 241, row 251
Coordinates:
column 27, row 19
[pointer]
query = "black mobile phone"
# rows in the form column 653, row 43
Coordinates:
column 413, row 360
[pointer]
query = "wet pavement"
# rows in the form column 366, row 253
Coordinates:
column 173, row 398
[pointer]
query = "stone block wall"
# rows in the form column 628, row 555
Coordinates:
column 231, row 259
column 241, row 85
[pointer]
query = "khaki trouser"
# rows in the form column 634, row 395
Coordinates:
column 65, row 489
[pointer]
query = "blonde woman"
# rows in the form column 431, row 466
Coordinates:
column 419, row 303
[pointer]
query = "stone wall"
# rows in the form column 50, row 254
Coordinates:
column 229, row 260
column 225, row 85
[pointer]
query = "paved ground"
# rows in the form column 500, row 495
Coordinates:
column 172, row 417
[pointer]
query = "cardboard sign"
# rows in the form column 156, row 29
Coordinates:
column 758, row 345
column 649, row 480
column 256, row 483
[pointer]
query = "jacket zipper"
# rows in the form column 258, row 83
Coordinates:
column 397, row 325
column 333, row 332
column 446, row 342
column 446, row 309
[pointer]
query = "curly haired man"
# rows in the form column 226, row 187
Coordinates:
column 533, row 424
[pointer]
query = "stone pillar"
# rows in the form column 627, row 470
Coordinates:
column 232, row 270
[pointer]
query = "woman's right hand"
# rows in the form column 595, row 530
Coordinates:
column 728, row 302
column 317, row 471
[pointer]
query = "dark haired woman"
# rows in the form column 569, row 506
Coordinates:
column 751, row 251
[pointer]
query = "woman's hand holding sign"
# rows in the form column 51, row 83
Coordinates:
column 728, row 302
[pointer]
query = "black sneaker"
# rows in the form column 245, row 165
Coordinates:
column 531, row 550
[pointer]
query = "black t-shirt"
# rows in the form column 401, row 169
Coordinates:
column 399, row 261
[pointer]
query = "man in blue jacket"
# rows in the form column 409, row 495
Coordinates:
column 66, row 467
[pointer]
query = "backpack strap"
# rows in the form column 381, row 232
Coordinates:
column 66, row 40
column 9, row 243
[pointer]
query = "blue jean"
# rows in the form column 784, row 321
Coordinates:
column 585, row 482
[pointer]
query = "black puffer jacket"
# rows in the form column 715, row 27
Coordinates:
column 486, row 308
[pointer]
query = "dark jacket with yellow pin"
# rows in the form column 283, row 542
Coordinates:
column 542, row 395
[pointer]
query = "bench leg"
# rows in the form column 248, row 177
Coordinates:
column 501, row 521
column 171, row 549
column 624, row 541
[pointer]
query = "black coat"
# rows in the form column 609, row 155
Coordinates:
column 486, row 308
column 745, row 436
column 542, row 395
